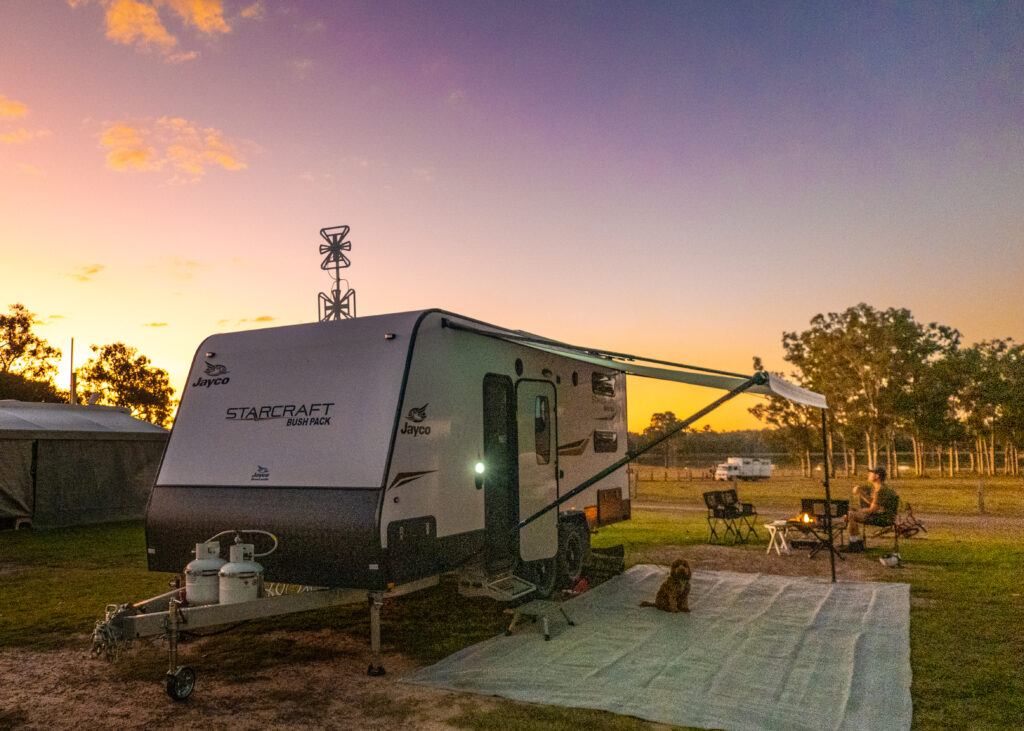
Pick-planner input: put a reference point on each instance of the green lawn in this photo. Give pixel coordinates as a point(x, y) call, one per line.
point(967, 611)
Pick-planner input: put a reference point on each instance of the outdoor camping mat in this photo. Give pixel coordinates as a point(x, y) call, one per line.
point(756, 652)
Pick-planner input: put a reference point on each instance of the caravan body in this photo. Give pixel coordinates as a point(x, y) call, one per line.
point(384, 449)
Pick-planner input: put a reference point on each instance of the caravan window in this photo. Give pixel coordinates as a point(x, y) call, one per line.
point(603, 385)
point(542, 429)
point(606, 441)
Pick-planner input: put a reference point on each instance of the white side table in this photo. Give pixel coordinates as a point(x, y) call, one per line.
point(777, 537)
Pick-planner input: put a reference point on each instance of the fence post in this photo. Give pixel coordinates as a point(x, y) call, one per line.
point(981, 496)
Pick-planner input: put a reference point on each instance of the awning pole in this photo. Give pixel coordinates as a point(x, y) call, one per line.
point(755, 380)
point(828, 494)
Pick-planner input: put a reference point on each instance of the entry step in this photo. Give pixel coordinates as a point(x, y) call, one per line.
point(504, 587)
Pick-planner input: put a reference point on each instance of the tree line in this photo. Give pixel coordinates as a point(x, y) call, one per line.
point(115, 375)
point(890, 379)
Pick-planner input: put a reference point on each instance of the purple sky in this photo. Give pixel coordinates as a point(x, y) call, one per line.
point(684, 180)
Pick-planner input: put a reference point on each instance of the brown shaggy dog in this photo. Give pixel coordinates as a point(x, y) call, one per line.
point(675, 590)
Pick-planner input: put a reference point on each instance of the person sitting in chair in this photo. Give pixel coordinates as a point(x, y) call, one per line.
point(878, 506)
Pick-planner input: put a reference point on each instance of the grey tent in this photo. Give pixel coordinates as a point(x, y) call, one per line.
point(66, 465)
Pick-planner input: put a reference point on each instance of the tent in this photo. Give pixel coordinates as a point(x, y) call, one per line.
point(63, 464)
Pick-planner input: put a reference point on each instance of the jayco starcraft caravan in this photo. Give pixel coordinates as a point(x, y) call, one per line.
point(375, 454)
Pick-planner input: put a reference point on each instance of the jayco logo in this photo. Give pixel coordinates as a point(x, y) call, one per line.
point(261, 473)
point(218, 376)
point(416, 416)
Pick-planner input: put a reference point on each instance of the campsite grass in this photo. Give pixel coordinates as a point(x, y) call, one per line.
point(967, 610)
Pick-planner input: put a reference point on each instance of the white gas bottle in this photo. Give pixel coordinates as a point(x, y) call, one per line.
point(202, 574)
point(241, 577)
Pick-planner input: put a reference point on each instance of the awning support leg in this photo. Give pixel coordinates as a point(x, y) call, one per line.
point(376, 668)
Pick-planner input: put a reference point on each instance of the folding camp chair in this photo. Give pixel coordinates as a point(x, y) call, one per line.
point(717, 517)
point(906, 524)
point(742, 515)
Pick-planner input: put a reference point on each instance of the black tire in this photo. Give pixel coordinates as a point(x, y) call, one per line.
point(180, 684)
point(573, 550)
point(542, 574)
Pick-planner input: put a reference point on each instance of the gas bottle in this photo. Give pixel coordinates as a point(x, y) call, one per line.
point(241, 577)
point(201, 575)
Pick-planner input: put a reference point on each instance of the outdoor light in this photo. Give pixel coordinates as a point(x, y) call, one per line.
point(479, 468)
point(478, 478)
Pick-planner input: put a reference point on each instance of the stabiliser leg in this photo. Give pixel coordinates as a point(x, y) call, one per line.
point(180, 680)
point(376, 668)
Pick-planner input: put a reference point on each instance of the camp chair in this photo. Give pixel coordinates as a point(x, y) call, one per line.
point(742, 515)
point(906, 524)
point(717, 517)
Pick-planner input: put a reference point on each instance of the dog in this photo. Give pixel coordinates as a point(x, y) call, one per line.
point(674, 593)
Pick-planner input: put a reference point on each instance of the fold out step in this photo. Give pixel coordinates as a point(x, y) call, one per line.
point(504, 587)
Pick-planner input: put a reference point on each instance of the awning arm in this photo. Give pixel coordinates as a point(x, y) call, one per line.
point(525, 337)
point(755, 380)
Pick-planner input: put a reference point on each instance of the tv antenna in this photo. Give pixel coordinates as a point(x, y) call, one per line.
point(334, 305)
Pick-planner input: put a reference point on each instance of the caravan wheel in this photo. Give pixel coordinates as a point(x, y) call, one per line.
point(542, 574)
point(573, 547)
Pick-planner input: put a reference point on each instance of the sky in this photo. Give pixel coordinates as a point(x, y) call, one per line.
point(681, 180)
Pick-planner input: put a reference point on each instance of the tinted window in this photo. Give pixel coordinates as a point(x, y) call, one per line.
point(542, 429)
point(602, 384)
point(606, 441)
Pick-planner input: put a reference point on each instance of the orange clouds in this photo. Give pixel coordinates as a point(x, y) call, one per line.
point(87, 273)
point(170, 143)
point(11, 108)
point(133, 22)
point(139, 23)
point(21, 135)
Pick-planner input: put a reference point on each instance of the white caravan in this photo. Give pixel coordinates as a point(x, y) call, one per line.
point(386, 449)
point(744, 468)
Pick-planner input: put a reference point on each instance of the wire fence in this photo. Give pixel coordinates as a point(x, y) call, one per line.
point(701, 466)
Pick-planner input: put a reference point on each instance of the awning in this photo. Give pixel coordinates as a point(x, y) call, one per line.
point(634, 365)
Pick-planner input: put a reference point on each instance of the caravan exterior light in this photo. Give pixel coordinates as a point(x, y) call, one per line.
point(479, 468)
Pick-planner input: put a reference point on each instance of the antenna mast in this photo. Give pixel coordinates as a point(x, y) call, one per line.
point(334, 305)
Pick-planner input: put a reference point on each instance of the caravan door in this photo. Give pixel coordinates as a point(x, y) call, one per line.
point(538, 467)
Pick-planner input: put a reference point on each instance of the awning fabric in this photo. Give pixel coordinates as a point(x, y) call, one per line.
point(776, 385)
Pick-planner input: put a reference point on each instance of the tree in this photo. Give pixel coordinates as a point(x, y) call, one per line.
point(126, 378)
point(22, 352)
point(19, 388)
point(661, 423)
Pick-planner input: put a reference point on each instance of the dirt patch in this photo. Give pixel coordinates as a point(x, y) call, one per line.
point(71, 689)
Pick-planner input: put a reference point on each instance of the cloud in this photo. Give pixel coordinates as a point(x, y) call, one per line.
point(183, 268)
point(86, 273)
point(139, 23)
point(301, 67)
point(21, 135)
point(131, 22)
point(154, 324)
point(455, 96)
point(33, 171)
point(256, 11)
point(11, 108)
point(261, 318)
point(182, 57)
point(170, 143)
point(206, 15)
point(128, 149)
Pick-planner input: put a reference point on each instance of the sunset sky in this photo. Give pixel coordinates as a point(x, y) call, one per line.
point(681, 180)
